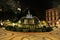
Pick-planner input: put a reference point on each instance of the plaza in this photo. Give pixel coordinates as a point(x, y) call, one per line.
point(10, 35)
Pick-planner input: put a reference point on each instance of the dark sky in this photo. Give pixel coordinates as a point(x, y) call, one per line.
point(37, 7)
point(39, 4)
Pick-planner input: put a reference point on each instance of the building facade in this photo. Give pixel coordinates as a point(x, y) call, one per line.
point(52, 16)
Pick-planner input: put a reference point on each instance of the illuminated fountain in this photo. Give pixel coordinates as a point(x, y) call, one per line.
point(28, 23)
point(29, 15)
point(29, 20)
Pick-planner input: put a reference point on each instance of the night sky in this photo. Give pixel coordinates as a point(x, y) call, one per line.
point(36, 7)
point(39, 7)
point(37, 4)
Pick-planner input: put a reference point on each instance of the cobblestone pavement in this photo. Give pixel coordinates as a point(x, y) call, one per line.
point(9, 35)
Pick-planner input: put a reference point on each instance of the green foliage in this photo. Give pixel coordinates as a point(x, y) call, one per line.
point(48, 29)
point(23, 29)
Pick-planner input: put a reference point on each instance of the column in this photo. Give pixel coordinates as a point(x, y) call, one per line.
point(46, 15)
point(53, 17)
point(49, 17)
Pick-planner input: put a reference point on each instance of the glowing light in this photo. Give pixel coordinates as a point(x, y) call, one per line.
point(39, 21)
point(1, 23)
point(57, 22)
point(7, 20)
point(13, 24)
point(19, 21)
point(43, 21)
point(19, 9)
point(0, 9)
point(59, 19)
